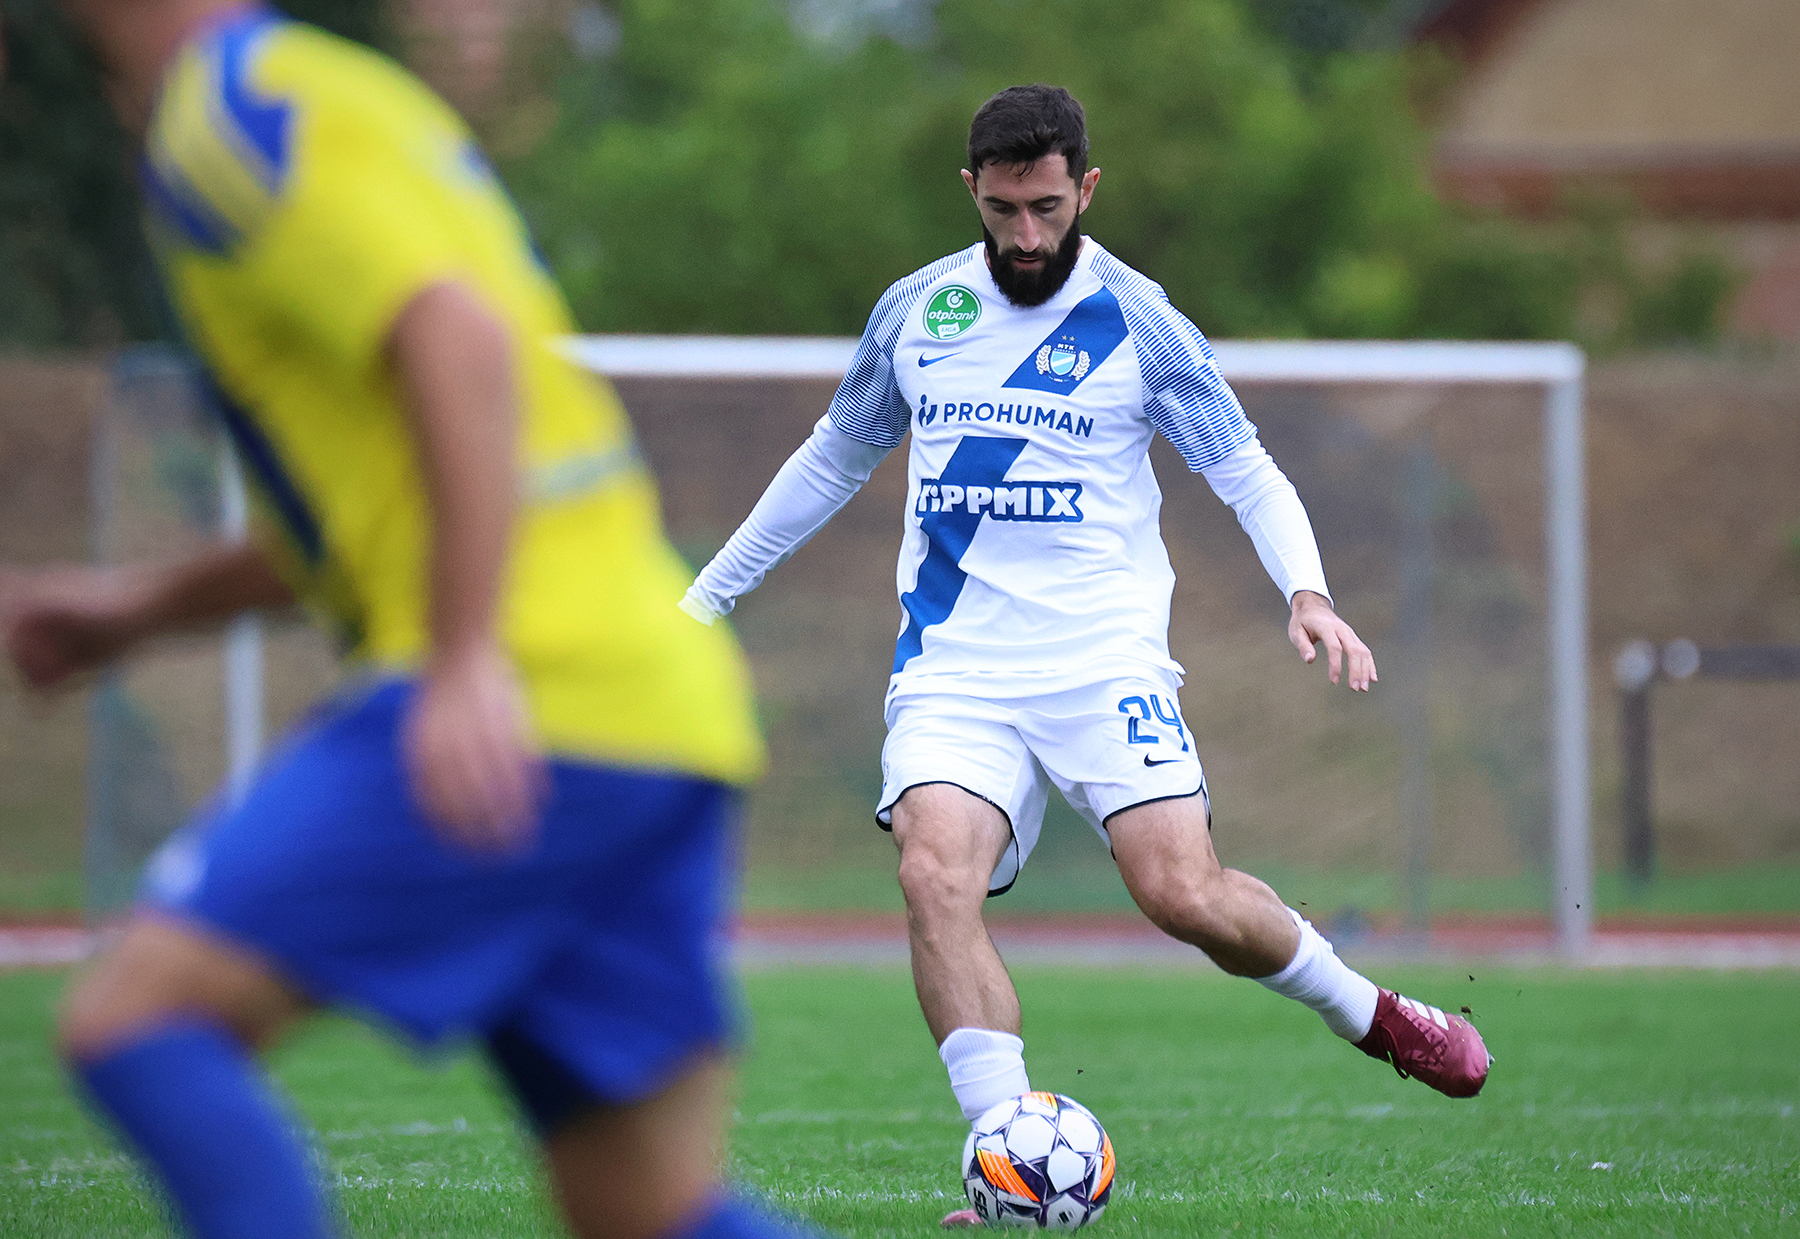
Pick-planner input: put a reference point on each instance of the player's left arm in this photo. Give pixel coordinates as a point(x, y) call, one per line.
point(1249, 481)
point(1189, 401)
point(63, 620)
point(469, 742)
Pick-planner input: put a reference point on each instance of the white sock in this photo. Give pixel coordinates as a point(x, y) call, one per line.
point(986, 1067)
point(1317, 978)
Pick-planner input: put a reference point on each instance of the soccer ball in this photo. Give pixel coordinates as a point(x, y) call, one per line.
point(1038, 1159)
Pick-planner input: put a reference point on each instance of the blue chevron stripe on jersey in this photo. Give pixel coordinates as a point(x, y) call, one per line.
point(176, 209)
point(259, 129)
point(1084, 339)
point(979, 460)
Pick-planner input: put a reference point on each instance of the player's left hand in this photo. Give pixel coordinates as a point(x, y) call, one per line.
point(1313, 623)
point(475, 764)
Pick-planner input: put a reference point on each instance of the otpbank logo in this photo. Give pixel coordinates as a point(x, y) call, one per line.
point(951, 311)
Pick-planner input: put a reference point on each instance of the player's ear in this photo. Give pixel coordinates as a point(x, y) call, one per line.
point(969, 180)
point(1089, 179)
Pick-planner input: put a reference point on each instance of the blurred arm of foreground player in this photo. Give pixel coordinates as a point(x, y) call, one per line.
point(63, 620)
point(469, 744)
point(470, 747)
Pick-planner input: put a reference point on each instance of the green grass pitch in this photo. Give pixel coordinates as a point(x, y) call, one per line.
point(1621, 1104)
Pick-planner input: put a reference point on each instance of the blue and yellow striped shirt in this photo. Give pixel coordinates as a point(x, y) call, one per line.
point(301, 190)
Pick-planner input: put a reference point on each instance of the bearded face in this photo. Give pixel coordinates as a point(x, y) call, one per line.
point(1031, 278)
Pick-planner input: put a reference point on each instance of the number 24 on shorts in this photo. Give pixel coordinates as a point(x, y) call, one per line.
point(1137, 710)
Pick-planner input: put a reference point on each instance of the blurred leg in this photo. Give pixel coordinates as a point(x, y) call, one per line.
point(163, 968)
point(160, 1031)
point(644, 1170)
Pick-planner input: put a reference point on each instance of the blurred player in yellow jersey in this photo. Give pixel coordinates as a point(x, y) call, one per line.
point(515, 824)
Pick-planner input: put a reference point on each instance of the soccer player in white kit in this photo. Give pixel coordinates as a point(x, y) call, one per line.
point(1032, 371)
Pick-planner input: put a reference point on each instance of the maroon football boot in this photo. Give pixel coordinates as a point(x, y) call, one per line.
point(1423, 1042)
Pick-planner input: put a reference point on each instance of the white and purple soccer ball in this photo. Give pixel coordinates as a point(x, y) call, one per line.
point(1038, 1159)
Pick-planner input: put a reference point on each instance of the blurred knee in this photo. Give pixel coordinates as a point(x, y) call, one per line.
point(668, 1147)
point(87, 1023)
point(157, 974)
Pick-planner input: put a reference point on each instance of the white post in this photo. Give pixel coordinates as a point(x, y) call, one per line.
point(243, 644)
point(1572, 875)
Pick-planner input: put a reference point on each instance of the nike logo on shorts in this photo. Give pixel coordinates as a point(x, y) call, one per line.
point(932, 361)
point(1165, 761)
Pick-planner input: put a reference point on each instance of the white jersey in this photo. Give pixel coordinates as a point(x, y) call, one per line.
point(1032, 558)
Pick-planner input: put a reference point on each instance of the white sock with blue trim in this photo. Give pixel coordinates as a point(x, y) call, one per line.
point(986, 1067)
point(1317, 978)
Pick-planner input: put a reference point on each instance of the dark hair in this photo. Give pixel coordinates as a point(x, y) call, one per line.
point(1022, 124)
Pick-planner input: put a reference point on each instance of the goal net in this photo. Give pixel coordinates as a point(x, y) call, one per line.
point(185, 721)
point(1445, 484)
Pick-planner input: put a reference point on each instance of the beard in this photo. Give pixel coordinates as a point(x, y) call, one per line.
point(1026, 288)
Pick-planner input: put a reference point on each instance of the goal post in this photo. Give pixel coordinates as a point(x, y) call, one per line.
point(1558, 368)
point(163, 479)
point(161, 473)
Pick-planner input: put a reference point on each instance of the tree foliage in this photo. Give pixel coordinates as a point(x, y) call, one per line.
point(725, 166)
point(72, 264)
point(722, 172)
point(74, 270)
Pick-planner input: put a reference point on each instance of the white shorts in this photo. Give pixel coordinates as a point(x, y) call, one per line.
point(1106, 747)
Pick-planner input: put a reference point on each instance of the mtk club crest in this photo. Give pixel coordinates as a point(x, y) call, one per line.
point(1063, 360)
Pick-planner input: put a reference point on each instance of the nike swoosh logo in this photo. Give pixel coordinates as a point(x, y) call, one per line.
point(1165, 761)
point(932, 361)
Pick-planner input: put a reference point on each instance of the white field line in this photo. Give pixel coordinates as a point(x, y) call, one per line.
point(753, 950)
point(1023, 947)
point(1122, 1117)
point(43, 948)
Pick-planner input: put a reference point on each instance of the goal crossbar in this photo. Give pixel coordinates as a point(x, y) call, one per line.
point(1557, 367)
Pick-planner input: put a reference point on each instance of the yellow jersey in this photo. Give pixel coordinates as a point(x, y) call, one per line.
point(300, 191)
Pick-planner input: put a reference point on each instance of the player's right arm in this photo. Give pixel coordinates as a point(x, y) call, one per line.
point(469, 741)
point(820, 478)
point(68, 619)
point(867, 420)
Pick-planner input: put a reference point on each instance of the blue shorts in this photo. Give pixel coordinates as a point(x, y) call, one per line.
point(601, 946)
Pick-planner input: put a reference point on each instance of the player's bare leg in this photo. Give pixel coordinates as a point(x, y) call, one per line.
point(1165, 854)
point(949, 843)
point(669, 1149)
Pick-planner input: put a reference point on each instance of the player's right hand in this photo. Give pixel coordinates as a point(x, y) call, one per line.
point(474, 761)
point(59, 622)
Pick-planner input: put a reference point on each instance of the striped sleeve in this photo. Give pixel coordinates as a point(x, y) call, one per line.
point(868, 406)
point(1185, 396)
point(219, 152)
